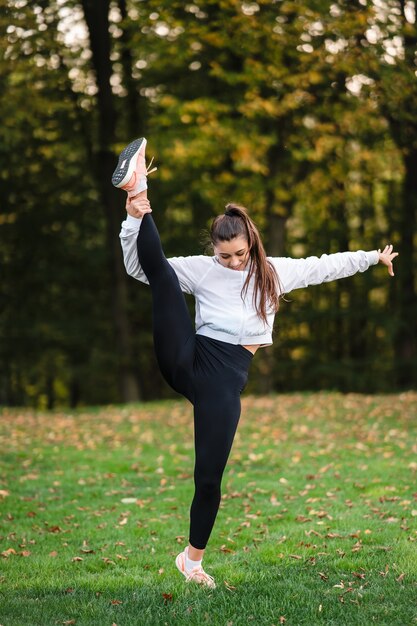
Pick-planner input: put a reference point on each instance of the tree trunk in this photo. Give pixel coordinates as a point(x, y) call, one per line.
point(400, 110)
point(135, 121)
point(96, 16)
point(359, 329)
point(275, 244)
point(405, 341)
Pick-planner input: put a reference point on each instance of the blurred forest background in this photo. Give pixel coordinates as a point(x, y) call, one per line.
point(305, 112)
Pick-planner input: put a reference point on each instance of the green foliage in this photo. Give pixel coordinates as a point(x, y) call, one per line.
point(303, 112)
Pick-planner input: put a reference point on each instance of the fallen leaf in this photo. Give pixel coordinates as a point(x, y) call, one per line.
point(341, 585)
point(8, 552)
point(167, 597)
point(116, 602)
point(54, 529)
point(224, 549)
point(228, 586)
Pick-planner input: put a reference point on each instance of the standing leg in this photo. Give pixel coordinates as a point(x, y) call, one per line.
point(216, 417)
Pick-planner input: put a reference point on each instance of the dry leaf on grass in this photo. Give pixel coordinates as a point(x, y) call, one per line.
point(167, 597)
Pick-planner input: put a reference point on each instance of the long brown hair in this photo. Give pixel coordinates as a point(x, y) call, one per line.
point(234, 223)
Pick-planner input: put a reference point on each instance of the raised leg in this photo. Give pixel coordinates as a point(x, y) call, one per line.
point(173, 329)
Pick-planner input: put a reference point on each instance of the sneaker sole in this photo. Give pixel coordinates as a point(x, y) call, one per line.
point(127, 163)
point(178, 567)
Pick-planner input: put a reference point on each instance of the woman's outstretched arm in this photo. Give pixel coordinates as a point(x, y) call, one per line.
point(298, 273)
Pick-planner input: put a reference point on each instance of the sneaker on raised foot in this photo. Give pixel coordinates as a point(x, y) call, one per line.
point(131, 171)
point(197, 574)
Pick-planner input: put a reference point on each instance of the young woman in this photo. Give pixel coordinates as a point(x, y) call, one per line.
point(237, 294)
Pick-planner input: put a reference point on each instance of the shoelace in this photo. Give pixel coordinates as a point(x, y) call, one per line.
point(200, 574)
point(149, 170)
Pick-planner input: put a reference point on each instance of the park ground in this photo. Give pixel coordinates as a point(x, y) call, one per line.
point(317, 524)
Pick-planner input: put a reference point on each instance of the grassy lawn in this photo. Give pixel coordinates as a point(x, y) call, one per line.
point(318, 521)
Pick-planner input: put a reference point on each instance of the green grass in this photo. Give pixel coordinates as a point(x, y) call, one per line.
point(317, 525)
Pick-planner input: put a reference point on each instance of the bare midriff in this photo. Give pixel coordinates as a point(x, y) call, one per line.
point(252, 349)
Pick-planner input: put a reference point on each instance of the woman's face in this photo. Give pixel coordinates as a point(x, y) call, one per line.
point(233, 254)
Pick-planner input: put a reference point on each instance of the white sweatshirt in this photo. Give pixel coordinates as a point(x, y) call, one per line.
point(220, 311)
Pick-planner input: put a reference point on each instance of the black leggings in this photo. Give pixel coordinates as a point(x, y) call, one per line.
point(210, 373)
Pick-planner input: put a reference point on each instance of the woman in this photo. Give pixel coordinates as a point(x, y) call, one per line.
point(237, 292)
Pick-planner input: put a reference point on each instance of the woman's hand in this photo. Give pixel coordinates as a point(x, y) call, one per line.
point(386, 257)
point(138, 206)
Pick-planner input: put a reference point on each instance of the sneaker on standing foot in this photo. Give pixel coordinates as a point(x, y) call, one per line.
point(197, 574)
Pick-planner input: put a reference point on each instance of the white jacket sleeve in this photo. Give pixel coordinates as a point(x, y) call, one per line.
point(297, 273)
point(187, 269)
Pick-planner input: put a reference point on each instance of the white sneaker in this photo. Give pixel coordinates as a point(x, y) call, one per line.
point(197, 574)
